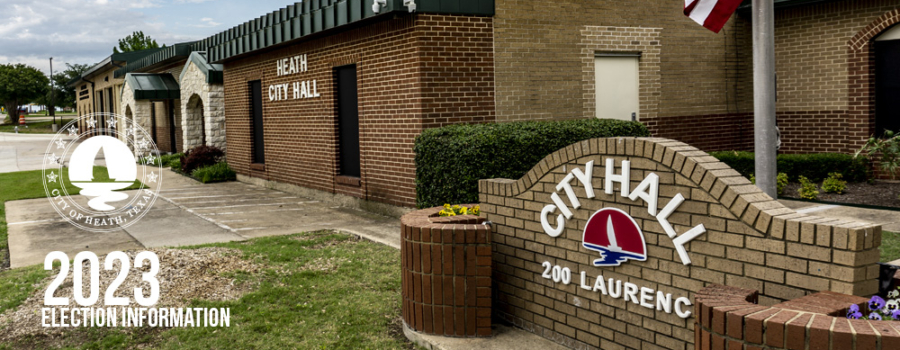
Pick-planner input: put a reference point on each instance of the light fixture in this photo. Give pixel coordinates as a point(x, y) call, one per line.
point(377, 5)
point(410, 4)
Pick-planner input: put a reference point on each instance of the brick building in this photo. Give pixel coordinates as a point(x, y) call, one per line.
point(327, 97)
point(172, 92)
point(99, 89)
point(689, 84)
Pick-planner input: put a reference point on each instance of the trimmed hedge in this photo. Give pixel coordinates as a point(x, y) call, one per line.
point(814, 166)
point(215, 173)
point(450, 160)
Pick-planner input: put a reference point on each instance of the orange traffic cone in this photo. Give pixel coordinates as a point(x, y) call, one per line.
point(21, 120)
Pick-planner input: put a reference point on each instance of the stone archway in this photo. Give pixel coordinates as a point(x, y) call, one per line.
point(194, 123)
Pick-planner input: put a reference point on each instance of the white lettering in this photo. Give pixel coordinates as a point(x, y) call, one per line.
point(303, 63)
point(601, 285)
point(566, 185)
point(624, 178)
point(663, 216)
point(562, 207)
point(631, 292)
point(664, 302)
point(585, 178)
point(678, 311)
point(583, 281)
point(648, 190)
point(545, 223)
point(315, 92)
point(646, 297)
point(686, 237)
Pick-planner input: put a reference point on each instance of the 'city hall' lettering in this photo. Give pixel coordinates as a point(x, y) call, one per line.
point(296, 90)
point(648, 190)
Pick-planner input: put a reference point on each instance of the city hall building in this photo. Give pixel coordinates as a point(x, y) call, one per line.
point(326, 97)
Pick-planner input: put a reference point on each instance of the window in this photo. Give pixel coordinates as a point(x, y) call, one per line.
point(259, 148)
point(348, 121)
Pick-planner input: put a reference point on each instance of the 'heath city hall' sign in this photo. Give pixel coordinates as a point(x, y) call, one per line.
point(604, 243)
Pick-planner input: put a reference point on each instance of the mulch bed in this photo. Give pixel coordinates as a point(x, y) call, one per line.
point(881, 193)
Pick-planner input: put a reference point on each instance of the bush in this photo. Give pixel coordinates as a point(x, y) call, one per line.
point(450, 160)
point(199, 157)
point(781, 181)
point(834, 184)
point(888, 147)
point(217, 172)
point(814, 166)
point(807, 189)
point(167, 160)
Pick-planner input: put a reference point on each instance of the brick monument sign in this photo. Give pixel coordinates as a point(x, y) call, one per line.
point(604, 244)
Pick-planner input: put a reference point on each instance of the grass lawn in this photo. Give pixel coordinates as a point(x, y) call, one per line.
point(318, 290)
point(890, 246)
point(41, 127)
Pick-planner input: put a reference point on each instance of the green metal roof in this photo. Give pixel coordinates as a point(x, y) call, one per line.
point(164, 56)
point(147, 86)
point(114, 59)
point(213, 72)
point(302, 19)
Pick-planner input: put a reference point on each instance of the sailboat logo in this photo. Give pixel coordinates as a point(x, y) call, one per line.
point(120, 163)
point(617, 237)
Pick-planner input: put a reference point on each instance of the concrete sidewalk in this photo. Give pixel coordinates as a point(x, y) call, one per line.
point(187, 213)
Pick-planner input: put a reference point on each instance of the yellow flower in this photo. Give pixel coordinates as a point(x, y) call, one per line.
point(465, 211)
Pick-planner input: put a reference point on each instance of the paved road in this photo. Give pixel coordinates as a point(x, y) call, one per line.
point(19, 152)
point(186, 213)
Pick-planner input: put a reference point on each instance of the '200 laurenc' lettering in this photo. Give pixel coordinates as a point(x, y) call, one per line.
point(648, 190)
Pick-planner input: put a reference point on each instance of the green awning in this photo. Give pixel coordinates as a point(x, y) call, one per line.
point(149, 86)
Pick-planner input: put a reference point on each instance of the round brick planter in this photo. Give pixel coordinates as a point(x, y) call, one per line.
point(446, 273)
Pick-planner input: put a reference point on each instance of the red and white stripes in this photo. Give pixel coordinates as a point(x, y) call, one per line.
point(711, 14)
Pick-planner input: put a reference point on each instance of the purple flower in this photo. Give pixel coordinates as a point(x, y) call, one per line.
point(853, 308)
point(876, 303)
point(875, 316)
point(896, 315)
point(855, 315)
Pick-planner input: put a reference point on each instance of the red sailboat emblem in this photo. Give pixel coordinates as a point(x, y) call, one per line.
point(616, 236)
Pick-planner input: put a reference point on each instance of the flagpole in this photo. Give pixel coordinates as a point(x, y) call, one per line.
point(764, 95)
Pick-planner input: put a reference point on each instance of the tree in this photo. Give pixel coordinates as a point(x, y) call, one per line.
point(19, 84)
point(136, 42)
point(66, 96)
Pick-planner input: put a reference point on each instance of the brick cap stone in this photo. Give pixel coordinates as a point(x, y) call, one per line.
point(743, 199)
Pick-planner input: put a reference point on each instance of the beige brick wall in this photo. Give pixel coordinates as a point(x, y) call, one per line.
point(540, 51)
point(751, 241)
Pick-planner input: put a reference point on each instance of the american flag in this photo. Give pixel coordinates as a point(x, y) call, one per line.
point(711, 14)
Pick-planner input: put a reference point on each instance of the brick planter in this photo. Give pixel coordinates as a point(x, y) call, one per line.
point(446, 274)
point(728, 318)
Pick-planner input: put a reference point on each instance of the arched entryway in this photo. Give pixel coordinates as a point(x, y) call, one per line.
point(195, 121)
point(887, 81)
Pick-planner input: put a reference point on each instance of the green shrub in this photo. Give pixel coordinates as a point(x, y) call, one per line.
point(450, 160)
point(218, 172)
point(807, 189)
point(175, 164)
point(167, 160)
point(781, 181)
point(834, 184)
point(815, 166)
point(888, 147)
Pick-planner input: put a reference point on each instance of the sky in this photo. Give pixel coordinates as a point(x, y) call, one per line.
point(85, 31)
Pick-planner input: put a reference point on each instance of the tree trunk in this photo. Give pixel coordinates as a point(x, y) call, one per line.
point(12, 111)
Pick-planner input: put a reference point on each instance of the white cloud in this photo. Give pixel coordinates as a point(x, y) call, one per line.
point(74, 31)
point(207, 22)
point(192, 1)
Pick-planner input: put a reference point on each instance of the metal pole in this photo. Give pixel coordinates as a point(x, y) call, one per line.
point(52, 102)
point(764, 95)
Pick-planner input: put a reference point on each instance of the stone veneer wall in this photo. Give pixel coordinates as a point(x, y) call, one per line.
point(212, 96)
point(751, 241)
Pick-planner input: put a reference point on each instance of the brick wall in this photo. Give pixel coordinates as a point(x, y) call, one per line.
point(414, 71)
point(751, 241)
point(728, 318)
point(825, 72)
point(446, 273)
point(544, 54)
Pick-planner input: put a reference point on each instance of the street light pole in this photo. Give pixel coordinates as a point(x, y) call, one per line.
point(765, 137)
point(52, 102)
